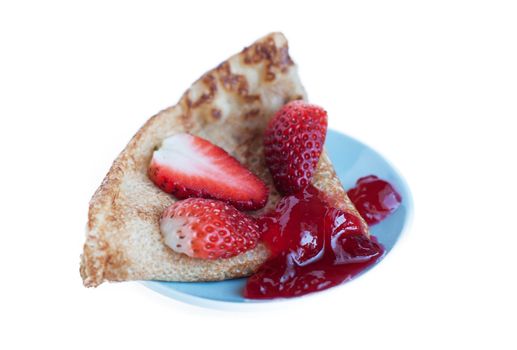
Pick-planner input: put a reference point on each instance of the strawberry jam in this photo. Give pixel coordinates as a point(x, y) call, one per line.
point(313, 247)
point(374, 198)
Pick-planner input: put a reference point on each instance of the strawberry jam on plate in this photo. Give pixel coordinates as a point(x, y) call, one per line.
point(374, 198)
point(352, 160)
point(313, 245)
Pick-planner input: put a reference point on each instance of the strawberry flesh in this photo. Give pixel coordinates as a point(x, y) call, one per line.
point(189, 166)
point(208, 229)
point(293, 143)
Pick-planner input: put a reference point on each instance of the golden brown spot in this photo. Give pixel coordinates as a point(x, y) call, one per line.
point(277, 58)
point(210, 82)
point(186, 120)
point(236, 83)
point(293, 98)
point(115, 220)
point(252, 113)
point(216, 113)
point(284, 60)
point(232, 82)
point(152, 216)
point(251, 98)
point(115, 264)
point(188, 101)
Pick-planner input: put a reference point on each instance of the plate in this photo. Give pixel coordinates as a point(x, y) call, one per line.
point(352, 160)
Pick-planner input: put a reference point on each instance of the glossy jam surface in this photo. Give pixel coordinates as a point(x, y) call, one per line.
point(374, 198)
point(313, 246)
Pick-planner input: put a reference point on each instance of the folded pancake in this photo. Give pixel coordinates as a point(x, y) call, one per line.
point(230, 106)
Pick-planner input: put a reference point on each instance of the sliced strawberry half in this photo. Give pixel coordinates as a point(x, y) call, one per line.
point(189, 166)
point(208, 229)
point(293, 142)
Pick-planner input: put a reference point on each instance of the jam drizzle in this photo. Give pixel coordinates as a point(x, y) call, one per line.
point(313, 247)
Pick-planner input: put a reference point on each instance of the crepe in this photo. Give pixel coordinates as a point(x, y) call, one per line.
point(230, 106)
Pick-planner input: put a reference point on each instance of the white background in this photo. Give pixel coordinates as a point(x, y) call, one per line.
point(432, 85)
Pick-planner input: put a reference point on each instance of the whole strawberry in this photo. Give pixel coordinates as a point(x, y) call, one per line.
point(293, 142)
point(208, 229)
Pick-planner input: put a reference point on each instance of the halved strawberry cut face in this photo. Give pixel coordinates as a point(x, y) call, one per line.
point(189, 166)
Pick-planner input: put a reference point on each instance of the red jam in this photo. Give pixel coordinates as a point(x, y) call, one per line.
point(313, 246)
point(374, 198)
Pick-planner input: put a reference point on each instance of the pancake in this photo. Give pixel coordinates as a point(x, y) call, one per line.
point(230, 106)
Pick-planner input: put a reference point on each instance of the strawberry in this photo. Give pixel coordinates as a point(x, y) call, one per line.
point(189, 166)
point(208, 229)
point(293, 142)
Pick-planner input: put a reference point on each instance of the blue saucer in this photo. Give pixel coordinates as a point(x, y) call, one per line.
point(352, 160)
